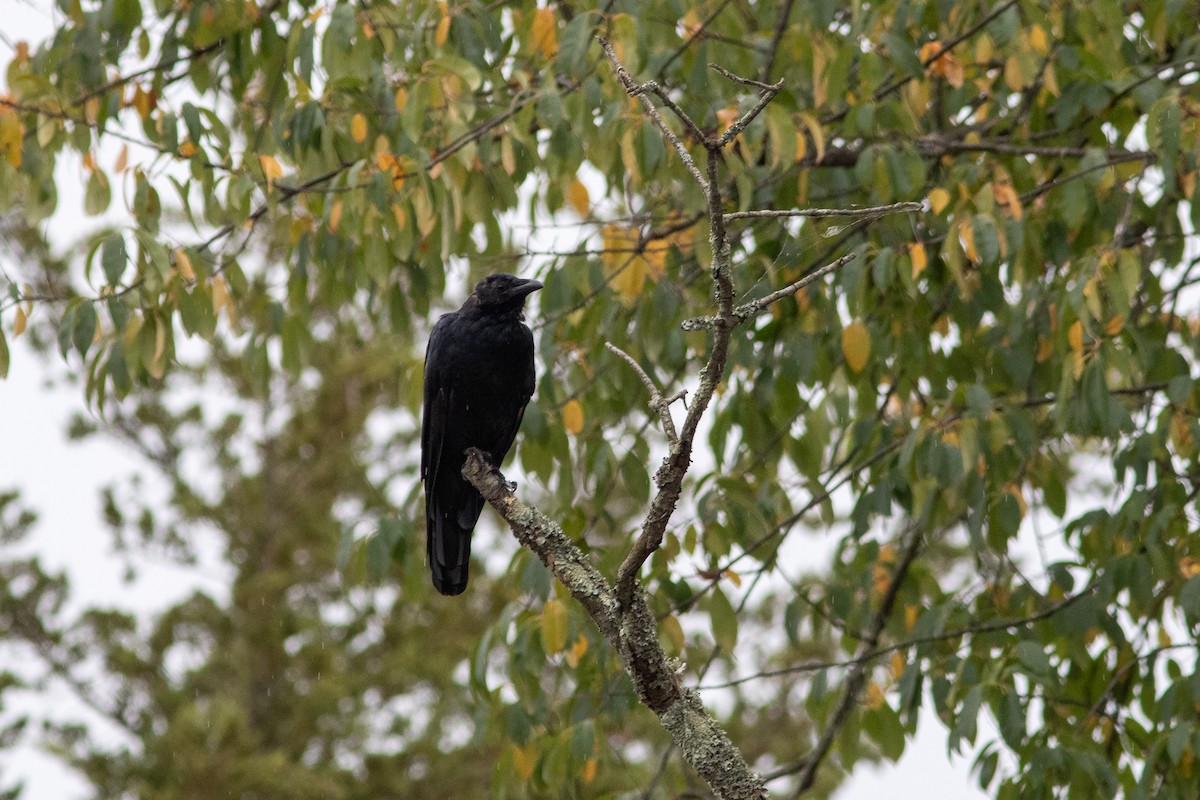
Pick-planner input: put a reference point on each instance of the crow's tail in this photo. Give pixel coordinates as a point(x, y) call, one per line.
point(449, 541)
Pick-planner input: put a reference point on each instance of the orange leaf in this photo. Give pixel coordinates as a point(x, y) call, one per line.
point(1075, 336)
point(525, 759)
point(577, 196)
point(545, 32)
point(944, 65)
point(576, 651)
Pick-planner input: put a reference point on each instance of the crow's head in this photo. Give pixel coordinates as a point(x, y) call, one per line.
point(503, 291)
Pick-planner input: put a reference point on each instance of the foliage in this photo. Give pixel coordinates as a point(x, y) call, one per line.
point(306, 182)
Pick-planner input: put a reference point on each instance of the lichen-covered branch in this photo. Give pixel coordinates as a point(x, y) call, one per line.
point(633, 632)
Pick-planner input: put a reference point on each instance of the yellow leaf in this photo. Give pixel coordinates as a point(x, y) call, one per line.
point(910, 617)
point(525, 759)
point(589, 770)
point(577, 196)
point(734, 577)
point(91, 110)
point(856, 345)
point(1189, 567)
point(966, 235)
point(545, 32)
point(183, 265)
point(554, 626)
point(1013, 74)
point(919, 259)
point(401, 99)
point(335, 216)
point(1075, 336)
point(1015, 491)
point(1114, 326)
point(1037, 39)
point(19, 322)
point(629, 157)
point(12, 134)
point(673, 631)
point(270, 168)
point(801, 145)
point(576, 651)
point(401, 216)
point(572, 417)
point(814, 130)
point(655, 257)
point(897, 665)
point(625, 270)
point(938, 199)
point(508, 159)
point(875, 697)
point(122, 159)
point(220, 298)
point(443, 26)
point(358, 128)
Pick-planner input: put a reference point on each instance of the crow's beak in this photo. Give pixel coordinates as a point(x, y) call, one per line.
point(524, 288)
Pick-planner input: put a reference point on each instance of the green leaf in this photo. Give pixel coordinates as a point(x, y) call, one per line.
point(83, 328)
point(1033, 656)
point(724, 620)
point(113, 258)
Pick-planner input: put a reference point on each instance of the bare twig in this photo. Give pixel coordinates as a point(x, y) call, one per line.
point(754, 307)
point(857, 677)
point(958, 633)
point(639, 90)
point(657, 402)
point(867, 211)
point(767, 93)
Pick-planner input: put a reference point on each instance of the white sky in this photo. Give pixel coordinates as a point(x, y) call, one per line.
point(61, 480)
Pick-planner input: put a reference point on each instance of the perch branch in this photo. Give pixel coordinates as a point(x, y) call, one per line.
point(632, 631)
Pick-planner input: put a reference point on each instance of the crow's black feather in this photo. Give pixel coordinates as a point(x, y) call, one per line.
point(479, 377)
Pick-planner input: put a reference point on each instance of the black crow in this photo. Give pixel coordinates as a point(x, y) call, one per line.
point(478, 378)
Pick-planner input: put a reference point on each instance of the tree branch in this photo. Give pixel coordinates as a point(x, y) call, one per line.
point(634, 89)
point(657, 402)
point(857, 678)
point(632, 631)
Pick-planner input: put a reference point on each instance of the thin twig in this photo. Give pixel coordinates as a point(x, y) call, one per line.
point(867, 211)
point(754, 307)
point(657, 401)
point(857, 678)
point(634, 89)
